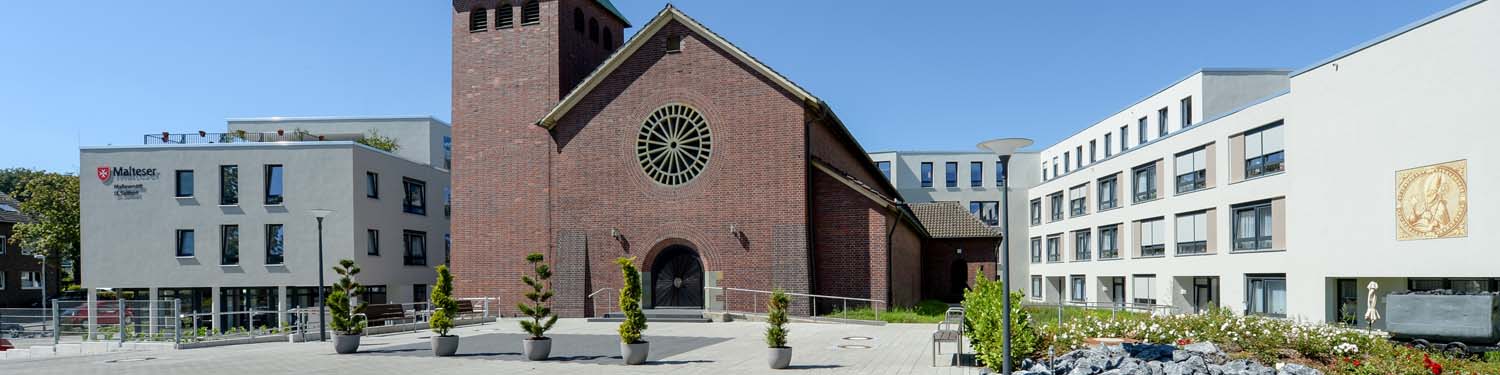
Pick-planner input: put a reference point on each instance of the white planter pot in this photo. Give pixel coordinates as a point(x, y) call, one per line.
point(444, 346)
point(780, 358)
point(536, 349)
point(635, 354)
point(345, 344)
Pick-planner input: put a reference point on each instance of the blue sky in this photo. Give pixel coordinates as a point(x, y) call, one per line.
point(907, 75)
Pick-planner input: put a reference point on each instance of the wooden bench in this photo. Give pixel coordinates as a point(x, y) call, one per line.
point(379, 315)
point(465, 308)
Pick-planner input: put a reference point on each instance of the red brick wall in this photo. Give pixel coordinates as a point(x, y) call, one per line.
point(906, 265)
point(755, 179)
point(849, 238)
point(938, 256)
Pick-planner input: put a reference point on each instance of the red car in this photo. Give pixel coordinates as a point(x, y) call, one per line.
point(109, 314)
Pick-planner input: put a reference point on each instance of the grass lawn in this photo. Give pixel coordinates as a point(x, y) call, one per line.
point(929, 311)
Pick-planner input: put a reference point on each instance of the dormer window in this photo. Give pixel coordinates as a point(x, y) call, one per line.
point(531, 13)
point(674, 43)
point(479, 20)
point(504, 17)
point(594, 30)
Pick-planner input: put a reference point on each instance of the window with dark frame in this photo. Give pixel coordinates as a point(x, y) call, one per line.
point(447, 152)
point(275, 193)
point(275, 244)
point(950, 178)
point(1078, 290)
point(229, 245)
point(531, 13)
point(1267, 295)
point(1053, 252)
point(1108, 192)
point(229, 185)
point(419, 293)
point(976, 174)
point(1036, 287)
point(1067, 161)
point(1109, 242)
point(1192, 233)
point(415, 244)
point(1153, 237)
point(479, 20)
point(1056, 200)
point(1036, 249)
point(1093, 151)
point(1251, 226)
point(1145, 288)
point(372, 242)
point(184, 242)
point(674, 43)
point(1036, 211)
point(885, 169)
point(1140, 130)
point(1264, 151)
point(1144, 188)
point(1078, 200)
point(415, 200)
point(372, 185)
point(1192, 170)
point(986, 211)
point(1078, 157)
point(1161, 122)
point(1124, 137)
point(184, 183)
point(1000, 174)
point(1081, 249)
point(926, 174)
point(1186, 107)
point(1109, 145)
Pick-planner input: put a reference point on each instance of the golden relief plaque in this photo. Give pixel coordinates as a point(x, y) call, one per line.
point(1433, 201)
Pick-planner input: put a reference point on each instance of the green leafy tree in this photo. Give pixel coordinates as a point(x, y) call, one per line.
point(776, 320)
point(630, 302)
point(983, 317)
point(51, 201)
point(12, 180)
point(346, 317)
point(379, 142)
point(445, 307)
point(540, 314)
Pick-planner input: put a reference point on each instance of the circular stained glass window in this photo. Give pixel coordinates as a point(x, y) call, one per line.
point(674, 145)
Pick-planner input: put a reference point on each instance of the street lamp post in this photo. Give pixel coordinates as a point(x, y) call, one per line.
point(1005, 147)
point(322, 305)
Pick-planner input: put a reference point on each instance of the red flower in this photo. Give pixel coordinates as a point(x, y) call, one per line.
point(1184, 342)
point(1437, 369)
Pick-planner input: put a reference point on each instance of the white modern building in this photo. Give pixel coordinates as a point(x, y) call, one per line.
point(228, 222)
point(1285, 193)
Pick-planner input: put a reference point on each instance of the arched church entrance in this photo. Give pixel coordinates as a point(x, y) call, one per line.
point(677, 278)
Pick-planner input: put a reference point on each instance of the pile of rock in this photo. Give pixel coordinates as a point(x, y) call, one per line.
point(1147, 359)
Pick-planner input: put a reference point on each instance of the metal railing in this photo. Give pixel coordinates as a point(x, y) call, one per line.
point(235, 137)
point(722, 301)
point(594, 302)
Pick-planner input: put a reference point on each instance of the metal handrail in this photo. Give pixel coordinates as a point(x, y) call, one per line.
point(594, 303)
point(845, 300)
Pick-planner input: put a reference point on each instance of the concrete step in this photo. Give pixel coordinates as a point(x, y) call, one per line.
point(659, 315)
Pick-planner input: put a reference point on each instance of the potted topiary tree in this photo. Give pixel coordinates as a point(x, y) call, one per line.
point(632, 348)
point(538, 346)
point(444, 309)
point(348, 320)
point(781, 355)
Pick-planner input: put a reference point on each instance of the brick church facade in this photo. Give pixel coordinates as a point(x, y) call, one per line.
point(675, 148)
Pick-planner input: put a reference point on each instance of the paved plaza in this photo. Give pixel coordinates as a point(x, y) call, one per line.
point(579, 347)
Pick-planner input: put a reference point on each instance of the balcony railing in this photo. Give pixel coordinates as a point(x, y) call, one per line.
point(1153, 250)
point(235, 137)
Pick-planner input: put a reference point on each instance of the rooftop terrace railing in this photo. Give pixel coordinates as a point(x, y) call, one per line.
point(165, 138)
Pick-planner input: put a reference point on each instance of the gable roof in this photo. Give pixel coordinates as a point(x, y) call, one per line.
point(949, 220)
point(10, 210)
point(662, 19)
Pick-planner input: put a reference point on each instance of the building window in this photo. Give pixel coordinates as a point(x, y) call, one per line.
point(926, 174)
point(274, 192)
point(578, 20)
point(1144, 285)
point(31, 280)
point(416, 248)
point(1153, 237)
point(447, 152)
point(1078, 200)
point(1140, 129)
point(1093, 150)
point(1161, 122)
point(1000, 173)
point(415, 201)
point(1036, 249)
point(1192, 170)
point(479, 20)
point(951, 177)
point(609, 39)
point(275, 244)
point(674, 43)
point(229, 245)
point(447, 202)
point(1109, 148)
point(184, 242)
point(1109, 242)
point(987, 211)
point(372, 185)
point(1036, 211)
point(531, 13)
point(1264, 153)
point(1081, 249)
point(1145, 182)
point(1054, 167)
point(229, 185)
point(1186, 108)
point(1252, 226)
point(2, 246)
point(1192, 233)
point(1036, 287)
point(885, 169)
point(1053, 255)
point(419, 293)
point(504, 17)
point(374, 295)
point(594, 30)
point(184, 183)
point(372, 242)
point(1124, 137)
point(1267, 295)
point(1056, 200)
point(1108, 191)
point(447, 247)
point(1078, 157)
point(1067, 161)
point(1044, 172)
point(976, 174)
point(1077, 291)
point(2, 280)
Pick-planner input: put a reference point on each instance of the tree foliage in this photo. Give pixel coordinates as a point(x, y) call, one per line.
point(374, 139)
point(630, 302)
point(12, 180)
point(983, 319)
point(51, 201)
point(346, 317)
point(445, 307)
point(539, 312)
point(776, 319)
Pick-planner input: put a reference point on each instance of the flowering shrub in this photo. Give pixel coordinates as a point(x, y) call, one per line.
point(1259, 336)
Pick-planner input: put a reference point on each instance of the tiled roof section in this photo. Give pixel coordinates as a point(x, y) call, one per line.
point(10, 210)
point(949, 220)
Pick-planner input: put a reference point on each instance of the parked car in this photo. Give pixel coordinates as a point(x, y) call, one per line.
point(6, 345)
point(108, 314)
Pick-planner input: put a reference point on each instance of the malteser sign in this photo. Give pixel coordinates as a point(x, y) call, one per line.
point(112, 175)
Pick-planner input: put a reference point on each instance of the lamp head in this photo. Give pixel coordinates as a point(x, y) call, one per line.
point(320, 213)
point(1004, 146)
